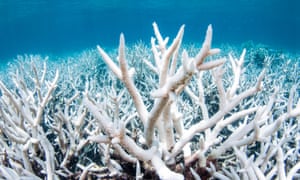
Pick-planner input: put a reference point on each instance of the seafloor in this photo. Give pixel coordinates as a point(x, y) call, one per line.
point(282, 70)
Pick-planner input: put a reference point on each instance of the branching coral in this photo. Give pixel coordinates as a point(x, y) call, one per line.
point(197, 118)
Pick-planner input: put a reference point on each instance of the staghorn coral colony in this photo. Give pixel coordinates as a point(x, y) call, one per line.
point(165, 112)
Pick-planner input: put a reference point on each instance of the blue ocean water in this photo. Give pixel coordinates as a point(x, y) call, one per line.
point(59, 27)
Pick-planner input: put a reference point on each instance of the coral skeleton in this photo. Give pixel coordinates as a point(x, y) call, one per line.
point(169, 114)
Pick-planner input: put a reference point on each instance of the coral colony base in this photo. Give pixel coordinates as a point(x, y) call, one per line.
point(170, 114)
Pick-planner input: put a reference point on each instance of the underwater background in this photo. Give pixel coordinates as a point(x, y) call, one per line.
point(56, 27)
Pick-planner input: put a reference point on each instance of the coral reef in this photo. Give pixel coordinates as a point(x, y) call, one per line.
point(168, 113)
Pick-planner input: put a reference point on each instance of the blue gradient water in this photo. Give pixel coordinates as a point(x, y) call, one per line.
point(60, 27)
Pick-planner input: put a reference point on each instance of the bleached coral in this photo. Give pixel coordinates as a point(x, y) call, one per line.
point(167, 112)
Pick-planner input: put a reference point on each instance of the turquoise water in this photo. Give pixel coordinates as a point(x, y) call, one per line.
point(61, 27)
